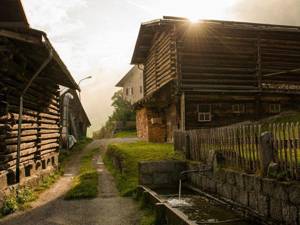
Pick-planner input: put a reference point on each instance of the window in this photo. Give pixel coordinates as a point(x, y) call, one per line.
point(131, 91)
point(127, 91)
point(274, 108)
point(204, 117)
point(238, 108)
point(204, 113)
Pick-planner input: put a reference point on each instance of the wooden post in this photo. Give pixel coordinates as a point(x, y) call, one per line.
point(187, 146)
point(182, 111)
point(267, 153)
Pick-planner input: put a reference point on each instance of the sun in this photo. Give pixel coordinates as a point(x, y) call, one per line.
point(196, 10)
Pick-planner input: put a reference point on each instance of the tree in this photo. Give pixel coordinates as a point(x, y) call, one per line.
point(123, 111)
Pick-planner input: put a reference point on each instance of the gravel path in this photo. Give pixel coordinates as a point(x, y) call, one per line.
point(107, 209)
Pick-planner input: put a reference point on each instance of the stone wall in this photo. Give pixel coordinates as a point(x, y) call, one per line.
point(269, 199)
point(30, 175)
point(142, 123)
point(146, 129)
point(156, 174)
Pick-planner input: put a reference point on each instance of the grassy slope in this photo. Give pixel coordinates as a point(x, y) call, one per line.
point(126, 134)
point(130, 154)
point(85, 185)
point(284, 117)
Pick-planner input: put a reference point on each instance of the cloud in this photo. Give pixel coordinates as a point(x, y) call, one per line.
point(267, 11)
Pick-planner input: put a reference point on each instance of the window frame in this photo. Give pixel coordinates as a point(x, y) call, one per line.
point(206, 114)
point(274, 108)
point(238, 108)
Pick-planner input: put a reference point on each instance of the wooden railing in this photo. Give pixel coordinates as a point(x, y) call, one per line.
point(241, 147)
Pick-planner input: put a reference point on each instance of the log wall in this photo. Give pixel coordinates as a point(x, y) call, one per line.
point(40, 122)
point(160, 65)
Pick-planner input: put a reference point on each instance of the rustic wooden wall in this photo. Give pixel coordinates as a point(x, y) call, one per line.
point(160, 65)
point(41, 118)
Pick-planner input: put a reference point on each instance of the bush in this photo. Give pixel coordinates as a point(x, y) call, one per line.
point(25, 195)
point(10, 205)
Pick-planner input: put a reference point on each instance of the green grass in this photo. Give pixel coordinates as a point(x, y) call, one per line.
point(64, 156)
point(148, 218)
point(129, 154)
point(126, 134)
point(284, 117)
point(85, 185)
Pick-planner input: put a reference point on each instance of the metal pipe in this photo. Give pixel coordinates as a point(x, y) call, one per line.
point(38, 72)
point(195, 171)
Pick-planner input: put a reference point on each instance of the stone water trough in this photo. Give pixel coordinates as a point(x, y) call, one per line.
point(218, 196)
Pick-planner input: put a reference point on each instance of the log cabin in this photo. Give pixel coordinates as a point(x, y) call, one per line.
point(213, 73)
point(31, 70)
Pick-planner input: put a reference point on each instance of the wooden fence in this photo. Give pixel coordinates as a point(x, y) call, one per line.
point(240, 147)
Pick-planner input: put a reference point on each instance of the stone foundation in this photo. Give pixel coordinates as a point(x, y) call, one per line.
point(31, 174)
point(149, 127)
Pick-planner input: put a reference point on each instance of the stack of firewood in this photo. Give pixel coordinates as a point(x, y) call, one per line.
point(40, 123)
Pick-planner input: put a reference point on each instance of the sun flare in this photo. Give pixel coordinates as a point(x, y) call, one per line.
point(196, 10)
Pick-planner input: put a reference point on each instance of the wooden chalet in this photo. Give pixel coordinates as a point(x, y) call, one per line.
point(27, 56)
point(214, 73)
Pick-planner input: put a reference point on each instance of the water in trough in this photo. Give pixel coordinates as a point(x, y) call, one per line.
point(203, 210)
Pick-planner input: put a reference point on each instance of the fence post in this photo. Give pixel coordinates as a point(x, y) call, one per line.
point(267, 153)
point(187, 146)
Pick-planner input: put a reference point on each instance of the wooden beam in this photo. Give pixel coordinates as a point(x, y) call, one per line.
point(282, 72)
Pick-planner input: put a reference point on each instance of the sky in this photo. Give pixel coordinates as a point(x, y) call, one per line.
point(97, 37)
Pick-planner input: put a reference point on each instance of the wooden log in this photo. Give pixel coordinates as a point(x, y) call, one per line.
point(13, 148)
point(11, 141)
point(49, 136)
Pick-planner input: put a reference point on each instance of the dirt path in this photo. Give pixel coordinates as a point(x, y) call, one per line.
point(107, 209)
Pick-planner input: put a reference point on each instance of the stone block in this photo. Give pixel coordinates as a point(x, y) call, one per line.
point(3, 181)
point(241, 197)
point(211, 186)
point(240, 183)
point(199, 181)
point(227, 191)
point(250, 181)
point(221, 176)
point(280, 192)
point(230, 177)
point(145, 179)
point(263, 203)
point(160, 178)
point(268, 186)
point(294, 194)
point(289, 214)
point(257, 184)
point(276, 210)
point(253, 200)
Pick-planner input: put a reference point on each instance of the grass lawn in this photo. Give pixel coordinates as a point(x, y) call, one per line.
point(129, 154)
point(126, 134)
point(85, 185)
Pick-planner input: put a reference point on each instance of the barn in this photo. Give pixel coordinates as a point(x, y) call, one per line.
point(30, 74)
point(213, 73)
